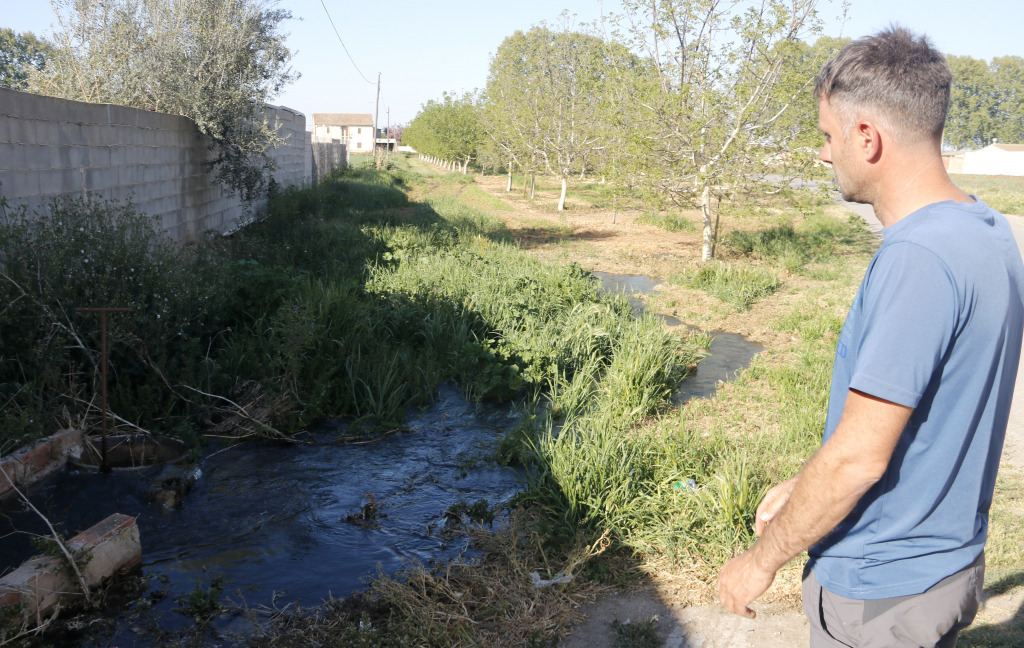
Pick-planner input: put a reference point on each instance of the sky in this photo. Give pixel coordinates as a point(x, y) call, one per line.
point(422, 48)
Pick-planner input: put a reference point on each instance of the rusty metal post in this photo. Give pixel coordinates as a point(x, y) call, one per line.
point(104, 466)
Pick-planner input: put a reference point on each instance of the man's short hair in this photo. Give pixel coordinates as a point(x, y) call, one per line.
point(896, 77)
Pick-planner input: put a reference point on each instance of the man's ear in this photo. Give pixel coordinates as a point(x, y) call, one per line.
point(868, 139)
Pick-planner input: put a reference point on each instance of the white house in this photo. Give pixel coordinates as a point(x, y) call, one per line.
point(995, 159)
point(353, 130)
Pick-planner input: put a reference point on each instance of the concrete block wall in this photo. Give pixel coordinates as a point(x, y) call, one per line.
point(51, 147)
point(328, 155)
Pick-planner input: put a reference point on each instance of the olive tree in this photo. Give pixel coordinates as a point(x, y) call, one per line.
point(217, 62)
point(710, 115)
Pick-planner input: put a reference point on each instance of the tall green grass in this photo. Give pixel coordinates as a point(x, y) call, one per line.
point(671, 221)
point(739, 285)
point(815, 240)
point(344, 300)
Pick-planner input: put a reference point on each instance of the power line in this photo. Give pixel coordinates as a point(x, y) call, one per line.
point(343, 44)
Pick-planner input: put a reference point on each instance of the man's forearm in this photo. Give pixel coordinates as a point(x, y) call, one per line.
point(834, 479)
point(824, 494)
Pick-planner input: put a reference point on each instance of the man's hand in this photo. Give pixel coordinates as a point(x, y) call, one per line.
point(772, 503)
point(741, 581)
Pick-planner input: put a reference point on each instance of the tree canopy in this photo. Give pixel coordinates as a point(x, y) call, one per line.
point(546, 100)
point(986, 101)
point(711, 116)
point(20, 54)
point(217, 62)
point(448, 129)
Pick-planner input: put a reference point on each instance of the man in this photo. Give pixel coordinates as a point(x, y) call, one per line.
point(893, 508)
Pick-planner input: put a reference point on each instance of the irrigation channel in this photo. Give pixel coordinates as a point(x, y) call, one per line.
point(273, 523)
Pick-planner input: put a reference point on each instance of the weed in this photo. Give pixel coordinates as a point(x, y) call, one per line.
point(669, 221)
point(641, 634)
point(479, 512)
point(738, 285)
point(816, 239)
point(202, 602)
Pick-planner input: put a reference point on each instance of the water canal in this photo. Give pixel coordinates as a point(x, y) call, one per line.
point(274, 522)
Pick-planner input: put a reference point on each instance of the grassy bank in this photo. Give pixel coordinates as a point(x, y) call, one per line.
point(347, 300)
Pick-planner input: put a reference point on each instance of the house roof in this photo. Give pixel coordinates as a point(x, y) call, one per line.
point(1016, 148)
point(342, 119)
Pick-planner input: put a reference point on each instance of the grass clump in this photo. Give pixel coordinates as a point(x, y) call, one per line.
point(494, 603)
point(815, 240)
point(669, 221)
point(640, 634)
point(738, 285)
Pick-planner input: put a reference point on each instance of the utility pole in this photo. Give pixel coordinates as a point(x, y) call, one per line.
point(376, 113)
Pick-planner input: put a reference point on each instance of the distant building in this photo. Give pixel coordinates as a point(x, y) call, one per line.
point(995, 159)
point(953, 161)
point(353, 130)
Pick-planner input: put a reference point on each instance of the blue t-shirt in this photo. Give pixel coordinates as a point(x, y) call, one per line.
point(936, 326)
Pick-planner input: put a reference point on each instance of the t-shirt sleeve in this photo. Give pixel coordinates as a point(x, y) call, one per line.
point(910, 314)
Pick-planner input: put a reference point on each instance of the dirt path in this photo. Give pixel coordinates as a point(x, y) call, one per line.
point(626, 246)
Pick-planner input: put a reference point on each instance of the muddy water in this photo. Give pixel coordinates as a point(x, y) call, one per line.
point(271, 519)
point(729, 353)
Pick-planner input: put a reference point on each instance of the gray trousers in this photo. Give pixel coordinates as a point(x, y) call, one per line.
point(931, 619)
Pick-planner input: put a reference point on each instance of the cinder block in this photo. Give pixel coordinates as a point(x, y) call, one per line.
point(23, 131)
point(70, 157)
point(19, 104)
point(33, 462)
point(51, 182)
point(8, 98)
point(100, 156)
point(72, 181)
point(99, 134)
point(47, 132)
point(22, 184)
point(70, 133)
point(5, 128)
point(101, 179)
point(47, 108)
point(112, 545)
point(12, 156)
point(122, 116)
point(40, 157)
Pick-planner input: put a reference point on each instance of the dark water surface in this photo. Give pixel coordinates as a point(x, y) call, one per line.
point(270, 519)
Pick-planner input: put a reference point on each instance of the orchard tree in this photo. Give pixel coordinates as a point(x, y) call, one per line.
point(449, 129)
point(1008, 84)
point(217, 62)
point(546, 101)
point(20, 54)
point(712, 114)
point(986, 101)
point(970, 121)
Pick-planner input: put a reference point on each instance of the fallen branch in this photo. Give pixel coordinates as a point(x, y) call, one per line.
point(242, 412)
